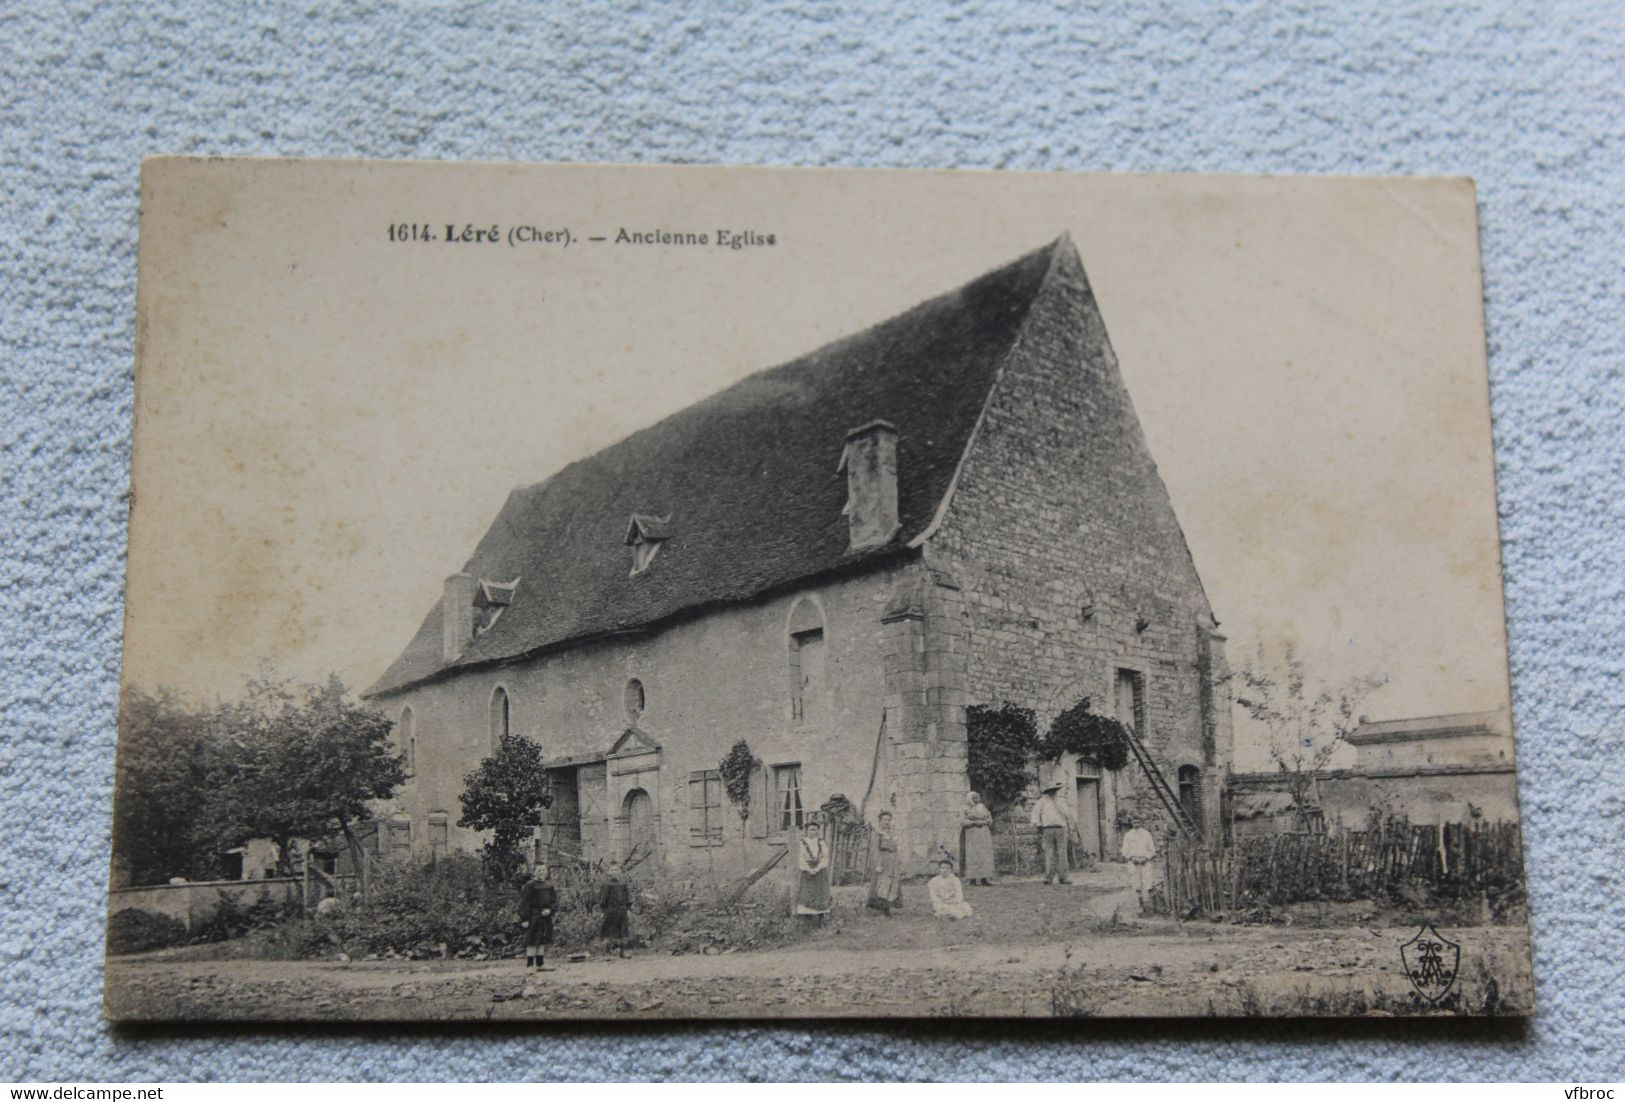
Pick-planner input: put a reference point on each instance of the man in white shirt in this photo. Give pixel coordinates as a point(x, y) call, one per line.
point(1054, 823)
point(1140, 850)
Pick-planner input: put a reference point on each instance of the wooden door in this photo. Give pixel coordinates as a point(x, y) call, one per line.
point(1089, 815)
point(639, 811)
point(438, 840)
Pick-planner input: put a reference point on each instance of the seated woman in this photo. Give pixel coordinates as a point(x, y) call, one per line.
point(947, 895)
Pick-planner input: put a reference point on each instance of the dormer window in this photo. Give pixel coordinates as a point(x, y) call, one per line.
point(644, 535)
point(491, 600)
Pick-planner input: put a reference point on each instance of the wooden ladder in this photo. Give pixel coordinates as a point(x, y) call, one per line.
point(1159, 784)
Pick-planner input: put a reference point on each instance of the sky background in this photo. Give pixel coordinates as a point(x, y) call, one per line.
point(328, 421)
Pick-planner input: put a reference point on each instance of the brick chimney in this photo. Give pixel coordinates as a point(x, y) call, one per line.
point(870, 463)
point(457, 616)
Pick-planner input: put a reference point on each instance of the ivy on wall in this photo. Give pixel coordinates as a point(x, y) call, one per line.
point(736, 767)
point(1092, 737)
point(1001, 744)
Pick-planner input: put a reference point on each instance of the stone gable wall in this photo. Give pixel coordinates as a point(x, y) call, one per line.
point(1070, 561)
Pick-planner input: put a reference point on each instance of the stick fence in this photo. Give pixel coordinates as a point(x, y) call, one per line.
point(1342, 865)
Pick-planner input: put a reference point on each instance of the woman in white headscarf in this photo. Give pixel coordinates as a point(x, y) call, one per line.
point(976, 849)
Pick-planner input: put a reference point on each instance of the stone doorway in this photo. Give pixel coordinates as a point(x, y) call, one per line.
point(639, 812)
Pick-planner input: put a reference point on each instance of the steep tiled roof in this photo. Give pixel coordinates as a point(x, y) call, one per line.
point(748, 478)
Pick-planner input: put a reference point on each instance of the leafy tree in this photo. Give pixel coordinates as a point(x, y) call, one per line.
point(1095, 738)
point(1001, 742)
point(506, 795)
point(162, 747)
point(1306, 720)
point(296, 763)
point(280, 763)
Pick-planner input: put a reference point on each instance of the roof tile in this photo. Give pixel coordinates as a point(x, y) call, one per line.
point(750, 477)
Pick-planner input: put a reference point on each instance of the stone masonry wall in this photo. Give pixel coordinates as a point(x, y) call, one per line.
point(923, 780)
point(707, 682)
point(1070, 561)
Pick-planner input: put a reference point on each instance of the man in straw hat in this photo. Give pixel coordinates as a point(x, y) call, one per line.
point(1054, 823)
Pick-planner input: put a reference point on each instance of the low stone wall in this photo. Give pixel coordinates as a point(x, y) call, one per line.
point(195, 903)
point(1423, 795)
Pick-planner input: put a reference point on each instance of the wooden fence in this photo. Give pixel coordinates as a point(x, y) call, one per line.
point(1342, 864)
point(851, 852)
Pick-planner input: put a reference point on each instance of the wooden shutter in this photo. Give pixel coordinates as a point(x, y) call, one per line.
point(759, 810)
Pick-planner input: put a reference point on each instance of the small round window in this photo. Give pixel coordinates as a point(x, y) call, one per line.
point(634, 698)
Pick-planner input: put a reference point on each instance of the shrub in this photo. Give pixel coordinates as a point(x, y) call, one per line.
point(415, 909)
point(507, 795)
point(232, 919)
point(455, 908)
point(759, 920)
point(134, 931)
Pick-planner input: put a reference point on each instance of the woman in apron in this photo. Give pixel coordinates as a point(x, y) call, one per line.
point(886, 884)
point(812, 881)
point(976, 832)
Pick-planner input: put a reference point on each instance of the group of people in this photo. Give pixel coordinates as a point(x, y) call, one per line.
point(1052, 817)
point(813, 897)
point(539, 903)
point(539, 898)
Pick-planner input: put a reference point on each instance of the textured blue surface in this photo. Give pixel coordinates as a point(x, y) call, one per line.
point(1525, 99)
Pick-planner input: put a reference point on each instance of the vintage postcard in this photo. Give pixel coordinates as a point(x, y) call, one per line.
point(586, 592)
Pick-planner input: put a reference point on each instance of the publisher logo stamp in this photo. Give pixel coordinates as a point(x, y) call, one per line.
point(1431, 961)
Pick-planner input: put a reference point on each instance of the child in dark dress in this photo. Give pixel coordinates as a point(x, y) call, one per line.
point(615, 900)
point(538, 899)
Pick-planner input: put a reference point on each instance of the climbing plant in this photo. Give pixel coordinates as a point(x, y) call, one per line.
point(1001, 744)
point(736, 767)
point(1095, 738)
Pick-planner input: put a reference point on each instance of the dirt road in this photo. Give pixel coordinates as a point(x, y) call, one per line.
point(1138, 970)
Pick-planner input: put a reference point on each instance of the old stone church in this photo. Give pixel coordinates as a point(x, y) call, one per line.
point(831, 560)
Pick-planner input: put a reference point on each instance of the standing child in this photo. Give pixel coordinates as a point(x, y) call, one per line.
point(538, 899)
point(616, 902)
point(1140, 849)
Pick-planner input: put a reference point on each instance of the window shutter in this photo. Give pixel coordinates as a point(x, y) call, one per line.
point(713, 808)
point(759, 811)
point(696, 809)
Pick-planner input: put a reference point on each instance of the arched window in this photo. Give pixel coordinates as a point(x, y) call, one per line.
point(406, 740)
point(499, 718)
point(635, 699)
point(1190, 792)
point(807, 685)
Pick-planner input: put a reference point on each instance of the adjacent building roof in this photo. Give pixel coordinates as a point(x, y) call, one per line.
point(748, 479)
point(1454, 725)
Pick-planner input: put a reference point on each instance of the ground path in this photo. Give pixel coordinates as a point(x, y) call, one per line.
point(1094, 956)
